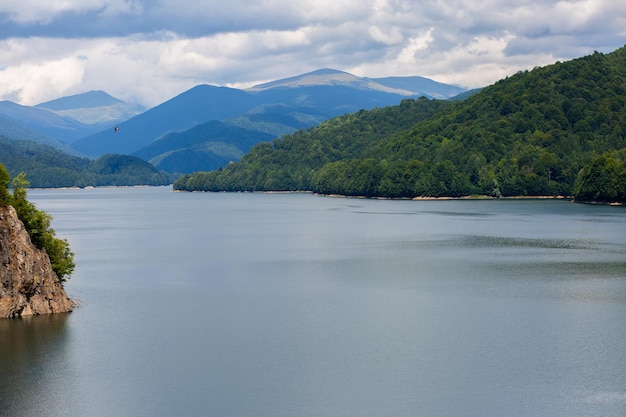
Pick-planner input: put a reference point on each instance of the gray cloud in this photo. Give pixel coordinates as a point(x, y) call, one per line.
point(148, 51)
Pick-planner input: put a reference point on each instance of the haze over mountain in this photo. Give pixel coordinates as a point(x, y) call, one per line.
point(421, 86)
point(92, 108)
point(555, 130)
point(43, 121)
point(64, 120)
point(274, 108)
point(11, 128)
point(190, 108)
point(406, 86)
point(206, 126)
point(191, 150)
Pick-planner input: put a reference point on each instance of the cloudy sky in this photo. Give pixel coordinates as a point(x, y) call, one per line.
point(147, 51)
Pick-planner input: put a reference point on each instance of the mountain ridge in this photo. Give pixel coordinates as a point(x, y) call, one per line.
point(275, 108)
point(44, 121)
point(530, 134)
point(67, 119)
point(93, 98)
point(281, 106)
point(331, 77)
point(199, 104)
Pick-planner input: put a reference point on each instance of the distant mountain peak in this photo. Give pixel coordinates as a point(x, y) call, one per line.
point(94, 98)
point(330, 77)
point(94, 107)
point(325, 76)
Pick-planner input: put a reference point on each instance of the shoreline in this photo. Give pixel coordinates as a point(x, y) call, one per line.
point(418, 198)
point(486, 197)
point(468, 197)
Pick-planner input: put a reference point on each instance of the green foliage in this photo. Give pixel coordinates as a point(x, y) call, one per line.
point(48, 167)
point(37, 223)
point(395, 179)
point(529, 134)
point(290, 163)
point(204, 147)
point(603, 179)
point(5, 178)
point(122, 170)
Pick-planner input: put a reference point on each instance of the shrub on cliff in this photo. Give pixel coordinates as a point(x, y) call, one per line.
point(37, 223)
point(4, 185)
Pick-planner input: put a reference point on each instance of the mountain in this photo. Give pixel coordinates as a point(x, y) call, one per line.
point(403, 86)
point(94, 108)
point(330, 77)
point(173, 135)
point(332, 93)
point(90, 99)
point(64, 120)
point(289, 164)
point(278, 119)
point(46, 166)
point(193, 107)
point(12, 128)
point(421, 86)
point(43, 121)
point(274, 109)
point(214, 144)
point(530, 134)
point(205, 147)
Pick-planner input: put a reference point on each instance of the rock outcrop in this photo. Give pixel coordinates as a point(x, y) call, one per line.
point(28, 285)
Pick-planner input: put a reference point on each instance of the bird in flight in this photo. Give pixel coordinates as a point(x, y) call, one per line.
point(116, 128)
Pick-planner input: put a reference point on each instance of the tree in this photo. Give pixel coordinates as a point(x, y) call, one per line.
point(529, 134)
point(603, 179)
point(37, 223)
point(4, 185)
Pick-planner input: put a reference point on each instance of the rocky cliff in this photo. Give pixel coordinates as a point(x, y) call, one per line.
point(28, 285)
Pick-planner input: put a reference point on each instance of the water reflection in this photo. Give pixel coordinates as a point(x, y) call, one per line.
point(293, 305)
point(30, 351)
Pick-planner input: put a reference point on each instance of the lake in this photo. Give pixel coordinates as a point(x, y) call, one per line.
point(245, 304)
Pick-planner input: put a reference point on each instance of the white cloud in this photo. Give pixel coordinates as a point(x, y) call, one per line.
point(152, 50)
point(331, 10)
point(415, 45)
point(387, 36)
point(24, 82)
point(42, 12)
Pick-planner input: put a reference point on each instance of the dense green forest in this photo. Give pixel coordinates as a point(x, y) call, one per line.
point(46, 167)
point(539, 132)
point(603, 179)
point(37, 223)
point(289, 163)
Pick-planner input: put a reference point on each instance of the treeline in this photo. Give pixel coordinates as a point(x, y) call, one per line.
point(603, 179)
point(47, 167)
point(289, 163)
point(530, 134)
point(37, 223)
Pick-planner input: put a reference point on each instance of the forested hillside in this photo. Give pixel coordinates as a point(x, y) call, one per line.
point(207, 127)
point(204, 147)
point(46, 166)
point(291, 162)
point(527, 135)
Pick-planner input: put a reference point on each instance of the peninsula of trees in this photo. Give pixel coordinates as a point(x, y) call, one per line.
point(555, 130)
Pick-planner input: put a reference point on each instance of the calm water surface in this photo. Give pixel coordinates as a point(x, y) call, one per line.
point(295, 305)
